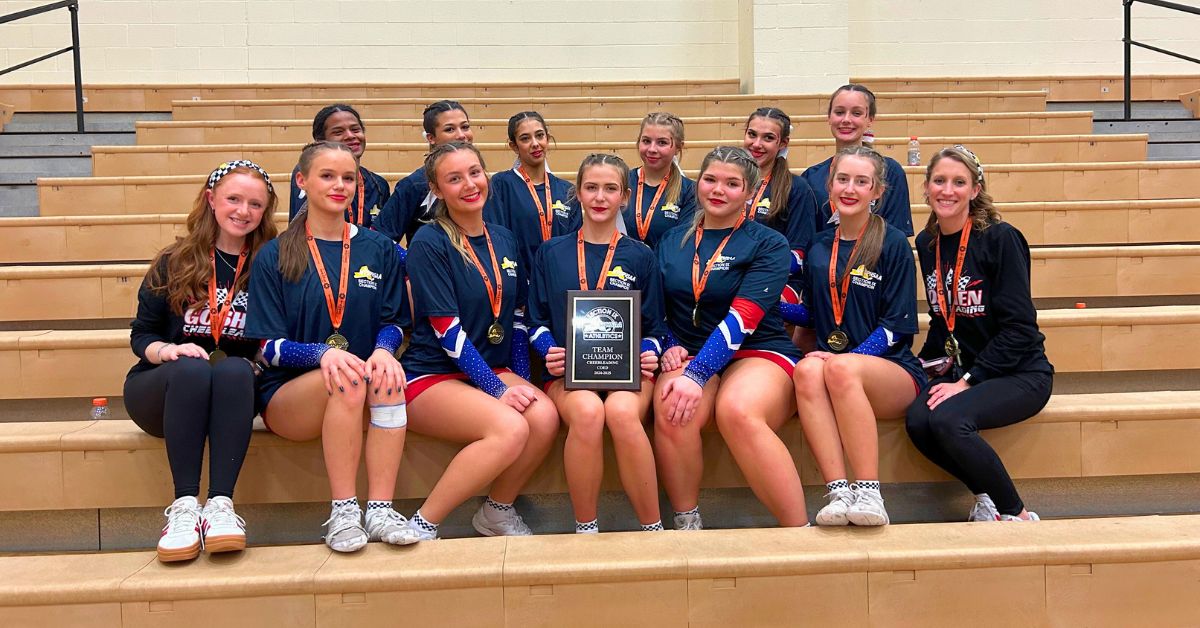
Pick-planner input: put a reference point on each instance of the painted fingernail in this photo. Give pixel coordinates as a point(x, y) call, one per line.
point(341, 389)
point(354, 382)
point(389, 391)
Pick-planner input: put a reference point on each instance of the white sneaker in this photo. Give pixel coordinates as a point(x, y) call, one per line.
point(1033, 516)
point(834, 513)
point(689, 521)
point(181, 536)
point(389, 526)
point(224, 530)
point(491, 522)
point(867, 509)
point(984, 509)
point(345, 532)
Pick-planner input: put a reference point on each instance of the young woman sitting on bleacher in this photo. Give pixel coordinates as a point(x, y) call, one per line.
point(327, 304)
point(662, 197)
point(411, 203)
point(528, 199)
point(598, 257)
point(731, 358)
point(984, 351)
point(860, 297)
point(851, 112)
point(469, 284)
point(341, 123)
point(194, 381)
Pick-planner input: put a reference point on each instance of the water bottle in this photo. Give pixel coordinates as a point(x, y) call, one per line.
point(99, 408)
point(868, 138)
point(914, 151)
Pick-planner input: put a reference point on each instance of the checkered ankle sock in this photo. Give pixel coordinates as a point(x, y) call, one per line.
point(373, 504)
point(652, 527)
point(589, 527)
point(497, 506)
point(349, 501)
point(870, 485)
point(694, 511)
point(420, 522)
point(837, 485)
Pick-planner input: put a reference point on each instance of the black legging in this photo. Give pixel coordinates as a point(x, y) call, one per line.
point(187, 401)
point(949, 435)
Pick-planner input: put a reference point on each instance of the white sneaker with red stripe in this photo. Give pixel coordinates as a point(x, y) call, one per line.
point(181, 536)
point(224, 530)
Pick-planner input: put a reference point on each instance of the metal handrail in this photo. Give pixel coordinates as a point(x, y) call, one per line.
point(73, 7)
point(1130, 43)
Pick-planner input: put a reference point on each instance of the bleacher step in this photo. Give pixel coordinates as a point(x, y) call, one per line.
point(1115, 110)
point(102, 122)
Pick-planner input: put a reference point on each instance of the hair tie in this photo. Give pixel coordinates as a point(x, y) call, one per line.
point(230, 166)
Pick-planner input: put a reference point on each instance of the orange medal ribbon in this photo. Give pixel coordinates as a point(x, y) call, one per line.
point(943, 293)
point(700, 281)
point(336, 304)
point(545, 212)
point(839, 300)
point(356, 217)
point(762, 187)
point(496, 293)
point(218, 312)
point(612, 248)
point(643, 227)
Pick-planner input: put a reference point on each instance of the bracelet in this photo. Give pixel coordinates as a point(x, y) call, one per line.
point(159, 352)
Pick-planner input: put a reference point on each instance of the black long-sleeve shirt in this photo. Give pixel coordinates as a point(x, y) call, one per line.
point(995, 319)
point(156, 322)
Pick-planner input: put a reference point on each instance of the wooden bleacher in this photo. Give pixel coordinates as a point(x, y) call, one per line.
point(1058, 89)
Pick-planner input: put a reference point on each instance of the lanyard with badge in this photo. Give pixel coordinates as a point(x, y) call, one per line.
point(335, 303)
point(643, 227)
point(700, 281)
point(762, 187)
point(608, 258)
point(219, 312)
point(356, 214)
point(545, 212)
point(944, 293)
point(838, 340)
point(495, 332)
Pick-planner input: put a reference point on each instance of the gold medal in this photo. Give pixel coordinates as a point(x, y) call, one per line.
point(696, 316)
point(496, 333)
point(951, 347)
point(838, 340)
point(338, 341)
point(216, 355)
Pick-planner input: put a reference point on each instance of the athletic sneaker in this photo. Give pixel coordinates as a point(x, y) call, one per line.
point(389, 526)
point(984, 509)
point(867, 509)
point(181, 536)
point(834, 513)
point(1033, 516)
point(224, 530)
point(345, 532)
point(489, 521)
point(689, 521)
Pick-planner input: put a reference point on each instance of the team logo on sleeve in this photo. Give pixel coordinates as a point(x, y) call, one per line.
point(509, 265)
point(367, 278)
point(561, 210)
point(868, 279)
point(670, 211)
point(618, 278)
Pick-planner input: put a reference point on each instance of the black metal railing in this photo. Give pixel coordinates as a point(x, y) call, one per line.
point(73, 7)
point(1130, 43)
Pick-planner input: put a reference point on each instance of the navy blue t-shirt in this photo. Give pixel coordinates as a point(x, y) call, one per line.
point(884, 296)
point(375, 194)
point(510, 205)
point(444, 283)
point(405, 211)
point(666, 216)
point(556, 270)
point(796, 220)
point(753, 266)
point(297, 310)
point(894, 207)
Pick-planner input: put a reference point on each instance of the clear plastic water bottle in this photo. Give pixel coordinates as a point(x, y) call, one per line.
point(914, 151)
point(868, 138)
point(99, 408)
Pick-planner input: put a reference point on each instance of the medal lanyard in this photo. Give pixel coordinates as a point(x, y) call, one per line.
point(356, 217)
point(545, 212)
point(700, 281)
point(612, 248)
point(217, 313)
point(337, 306)
point(839, 300)
point(944, 292)
point(644, 227)
point(762, 187)
point(496, 293)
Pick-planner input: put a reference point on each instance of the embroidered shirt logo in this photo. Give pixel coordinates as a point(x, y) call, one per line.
point(670, 211)
point(367, 278)
point(868, 279)
point(618, 278)
point(509, 266)
point(723, 261)
point(561, 210)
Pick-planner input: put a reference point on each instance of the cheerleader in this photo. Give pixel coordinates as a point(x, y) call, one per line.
point(859, 295)
point(662, 197)
point(851, 113)
point(781, 200)
point(327, 300)
point(986, 355)
point(341, 123)
point(731, 358)
point(598, 257)
point(469, 284)
point(528, 199)
point(194, 380)
point(411, 203)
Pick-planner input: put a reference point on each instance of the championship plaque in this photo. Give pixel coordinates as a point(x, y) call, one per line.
point(604, 340)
